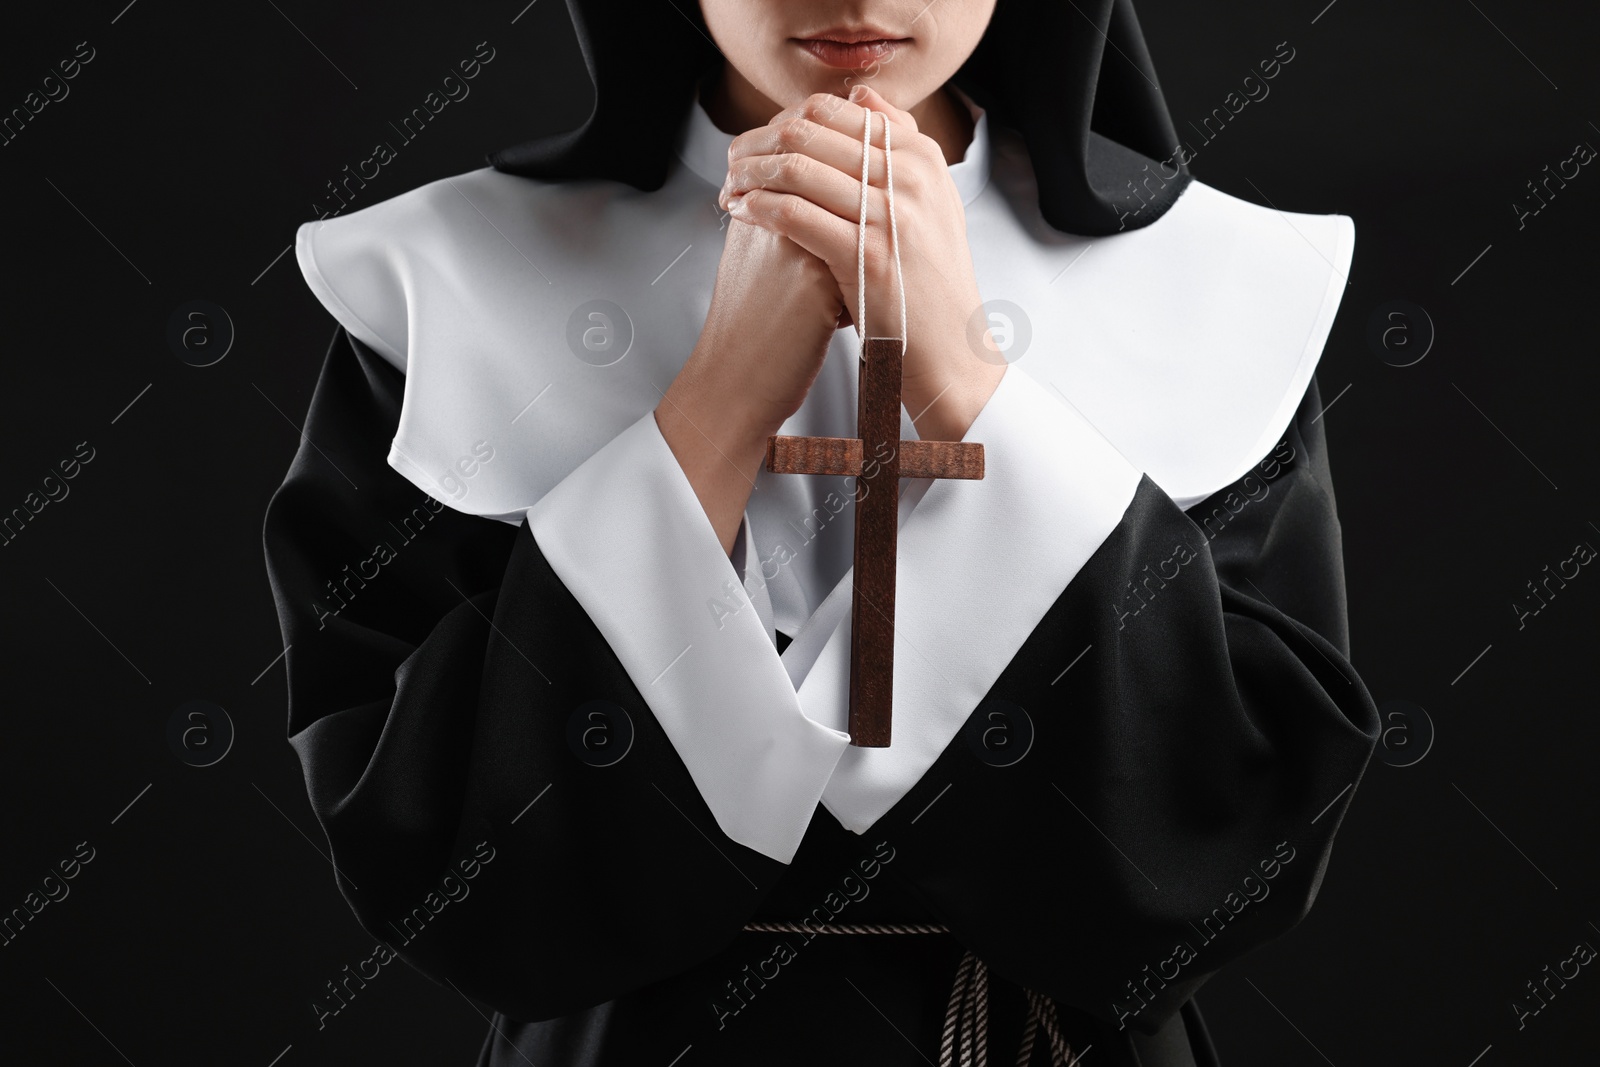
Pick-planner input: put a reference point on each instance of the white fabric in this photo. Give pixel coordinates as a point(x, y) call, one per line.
point(1179, 350)
point(627, 527)
point(755, 590)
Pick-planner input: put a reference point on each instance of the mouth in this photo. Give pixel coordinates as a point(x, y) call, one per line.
point(856, 35)
point(852, 49)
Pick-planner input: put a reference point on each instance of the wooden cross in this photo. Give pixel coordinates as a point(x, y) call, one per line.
point(877, 519)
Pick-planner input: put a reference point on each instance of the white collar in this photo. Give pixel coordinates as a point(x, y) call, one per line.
point(1184, 346)
point(704, 149)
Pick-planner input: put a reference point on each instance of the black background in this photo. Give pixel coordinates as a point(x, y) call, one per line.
point(201, 135)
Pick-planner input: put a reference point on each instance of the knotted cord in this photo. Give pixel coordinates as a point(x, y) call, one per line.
point(966, 1019)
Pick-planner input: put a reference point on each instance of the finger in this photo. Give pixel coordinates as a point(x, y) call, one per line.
point(866, 99)
point(803, 175)
point(804, 128)
point(835, 112)
point(752, 157)
point(817, 230)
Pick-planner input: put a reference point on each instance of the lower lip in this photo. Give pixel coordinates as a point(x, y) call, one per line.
point(851, 56)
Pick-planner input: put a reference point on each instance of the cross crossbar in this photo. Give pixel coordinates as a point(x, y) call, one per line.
point(877, 500)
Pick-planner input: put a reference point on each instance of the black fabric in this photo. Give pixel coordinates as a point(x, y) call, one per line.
point(1074, 79)
point(1178, 752)
point(1204, 1052)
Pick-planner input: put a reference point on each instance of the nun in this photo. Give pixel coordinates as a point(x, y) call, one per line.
point(569, 668)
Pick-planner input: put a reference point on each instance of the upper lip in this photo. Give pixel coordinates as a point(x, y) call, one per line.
point(853, 36)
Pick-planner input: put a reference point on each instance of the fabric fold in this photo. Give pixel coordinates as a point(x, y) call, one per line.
point(627, 535)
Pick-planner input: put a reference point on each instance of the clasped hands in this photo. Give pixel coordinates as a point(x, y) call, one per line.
point(799, 177)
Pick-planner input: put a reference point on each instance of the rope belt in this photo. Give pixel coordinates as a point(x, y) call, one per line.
point(968, 1011)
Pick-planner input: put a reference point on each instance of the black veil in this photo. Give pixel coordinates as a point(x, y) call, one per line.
point(1072, 77)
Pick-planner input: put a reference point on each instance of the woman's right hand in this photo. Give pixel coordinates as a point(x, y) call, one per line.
point(774, 309)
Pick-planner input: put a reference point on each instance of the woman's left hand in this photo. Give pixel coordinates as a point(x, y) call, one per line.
point(800, 176)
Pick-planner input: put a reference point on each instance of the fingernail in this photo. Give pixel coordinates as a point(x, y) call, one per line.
point(857, 91)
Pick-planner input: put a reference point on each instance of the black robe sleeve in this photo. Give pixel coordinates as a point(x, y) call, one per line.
point(1196, 733)
point(1186, 775)
point(435, 666)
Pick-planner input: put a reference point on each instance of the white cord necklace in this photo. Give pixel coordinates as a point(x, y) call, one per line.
point(861, 233)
